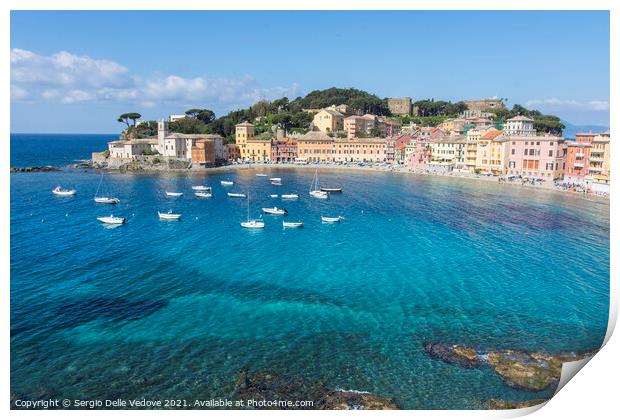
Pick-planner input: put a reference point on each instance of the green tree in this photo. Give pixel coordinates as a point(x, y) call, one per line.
point(125, 118)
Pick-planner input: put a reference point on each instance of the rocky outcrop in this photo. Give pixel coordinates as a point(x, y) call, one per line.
point(35, 169)
point(455, 354)
point(511, 405)
point(269, 386)
point(535, 371)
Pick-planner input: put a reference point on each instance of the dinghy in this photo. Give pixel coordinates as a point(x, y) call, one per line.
point(292, 224)
point(169, 216)
point(261, 174)
point(273, 195)
point(236, 195)
point(331, 219)
point(201, 188)
point(227, 183)
point(173, 194)
point(111, 220)
point(274, 210)
point(290, 196)
point(107, 200)
point(63, 193)
point(275, 179)
point(331, 190)
point(276, 182)
point(252, 224)
point(201, 194)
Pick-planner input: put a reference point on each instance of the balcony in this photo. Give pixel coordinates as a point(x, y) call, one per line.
point(578, 165)
point(579, 155)
point(597, 151)
point(596, 169)
point(597, 159)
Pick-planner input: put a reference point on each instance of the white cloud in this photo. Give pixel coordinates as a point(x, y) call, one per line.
point(568, 104)
point(68, 78)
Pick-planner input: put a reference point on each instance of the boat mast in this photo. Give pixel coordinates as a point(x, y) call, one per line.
point(99, 186)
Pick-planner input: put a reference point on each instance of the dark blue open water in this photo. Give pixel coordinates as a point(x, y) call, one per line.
point(174, 309)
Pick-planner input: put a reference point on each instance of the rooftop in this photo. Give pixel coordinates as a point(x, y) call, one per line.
point(520, 118)
point(491, 134)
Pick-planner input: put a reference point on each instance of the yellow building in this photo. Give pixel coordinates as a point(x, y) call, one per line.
point(491, 152)
point(470, 149)
point(328, 120)
point(243, 133)
point(360, 150)
point(599, 160)
point(257, 150)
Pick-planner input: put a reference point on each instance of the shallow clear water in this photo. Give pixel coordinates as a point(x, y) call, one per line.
point(174, 309)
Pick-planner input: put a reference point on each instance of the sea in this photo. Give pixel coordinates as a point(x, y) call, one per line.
point(159, 309)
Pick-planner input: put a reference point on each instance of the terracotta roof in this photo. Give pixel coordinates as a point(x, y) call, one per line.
point(491, 134)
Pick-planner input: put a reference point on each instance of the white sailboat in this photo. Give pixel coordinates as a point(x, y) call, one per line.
point(104, 199)
point(62, 192)
point(200, 188)
point(202, 194)
point(315, 191)
point(252, 224)
point(111, 220)
point(325, 219)
point(227, 183)
point(289, 196)
point(169, 216)
point(292, 224)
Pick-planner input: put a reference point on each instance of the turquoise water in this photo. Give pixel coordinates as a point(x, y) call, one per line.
point(174, 309)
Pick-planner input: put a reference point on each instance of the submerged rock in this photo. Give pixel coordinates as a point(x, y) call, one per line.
point(274, 387)
point(535, 371)
point(35, 169)
point(455, 354)
point(511, 405)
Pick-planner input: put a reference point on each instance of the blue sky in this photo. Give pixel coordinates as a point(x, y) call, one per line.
point(77, 71)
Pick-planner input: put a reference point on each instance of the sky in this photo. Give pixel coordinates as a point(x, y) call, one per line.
point(77, 71)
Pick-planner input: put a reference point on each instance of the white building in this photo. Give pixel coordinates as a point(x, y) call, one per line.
point(176, 117)
point(519, 126)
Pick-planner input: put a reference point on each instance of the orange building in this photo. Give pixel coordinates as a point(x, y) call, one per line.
point(203, 153)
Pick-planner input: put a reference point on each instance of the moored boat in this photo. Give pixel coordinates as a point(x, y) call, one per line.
point(275, 179)
point(290, 196)
point(292, 224)
point(274, 210)
point(276, 182)
point(62, 192)
point(273, 195)
point(261, 175)
point(201, 194)
point(236, 195)
point(227, 183)
point(111, 220)
point(201, 188)
point(173, 194)
point(331, 219)
point(169, 216)
point(107, 200)
point(331, 190)
point(252, 224)
point(315, 191)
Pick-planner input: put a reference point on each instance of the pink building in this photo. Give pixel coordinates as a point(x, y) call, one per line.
point(283, 150)
point(420, 158)
point(536, 157)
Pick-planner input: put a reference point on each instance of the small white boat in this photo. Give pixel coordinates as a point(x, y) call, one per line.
point(64, 193)
point(261, 174)
point(273, 195)
point(201, 194)
point(331, 190)
point(253, 224)
point(107, 200)
point(174, 194)
point(201, 188)
point(275, 179)
point(276, 182)
point(227, 183)
point(292, 224)
point(169, 216)
point(290, 196)
point(274, 210)
point(236, 195)
point(331, 219)
point(111, 220)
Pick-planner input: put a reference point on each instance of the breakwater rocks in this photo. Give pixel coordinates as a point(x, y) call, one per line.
point(530, 371)
point(35, 169)
point(269, 386)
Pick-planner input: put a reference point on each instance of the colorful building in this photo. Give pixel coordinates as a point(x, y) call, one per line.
point(315, 146)
point(284, 150)
point(328, 120)
point(519, 126)
point(203, 152)
point(360, 150)
point(492, 152)
point(538, 157)
point(588, 161)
